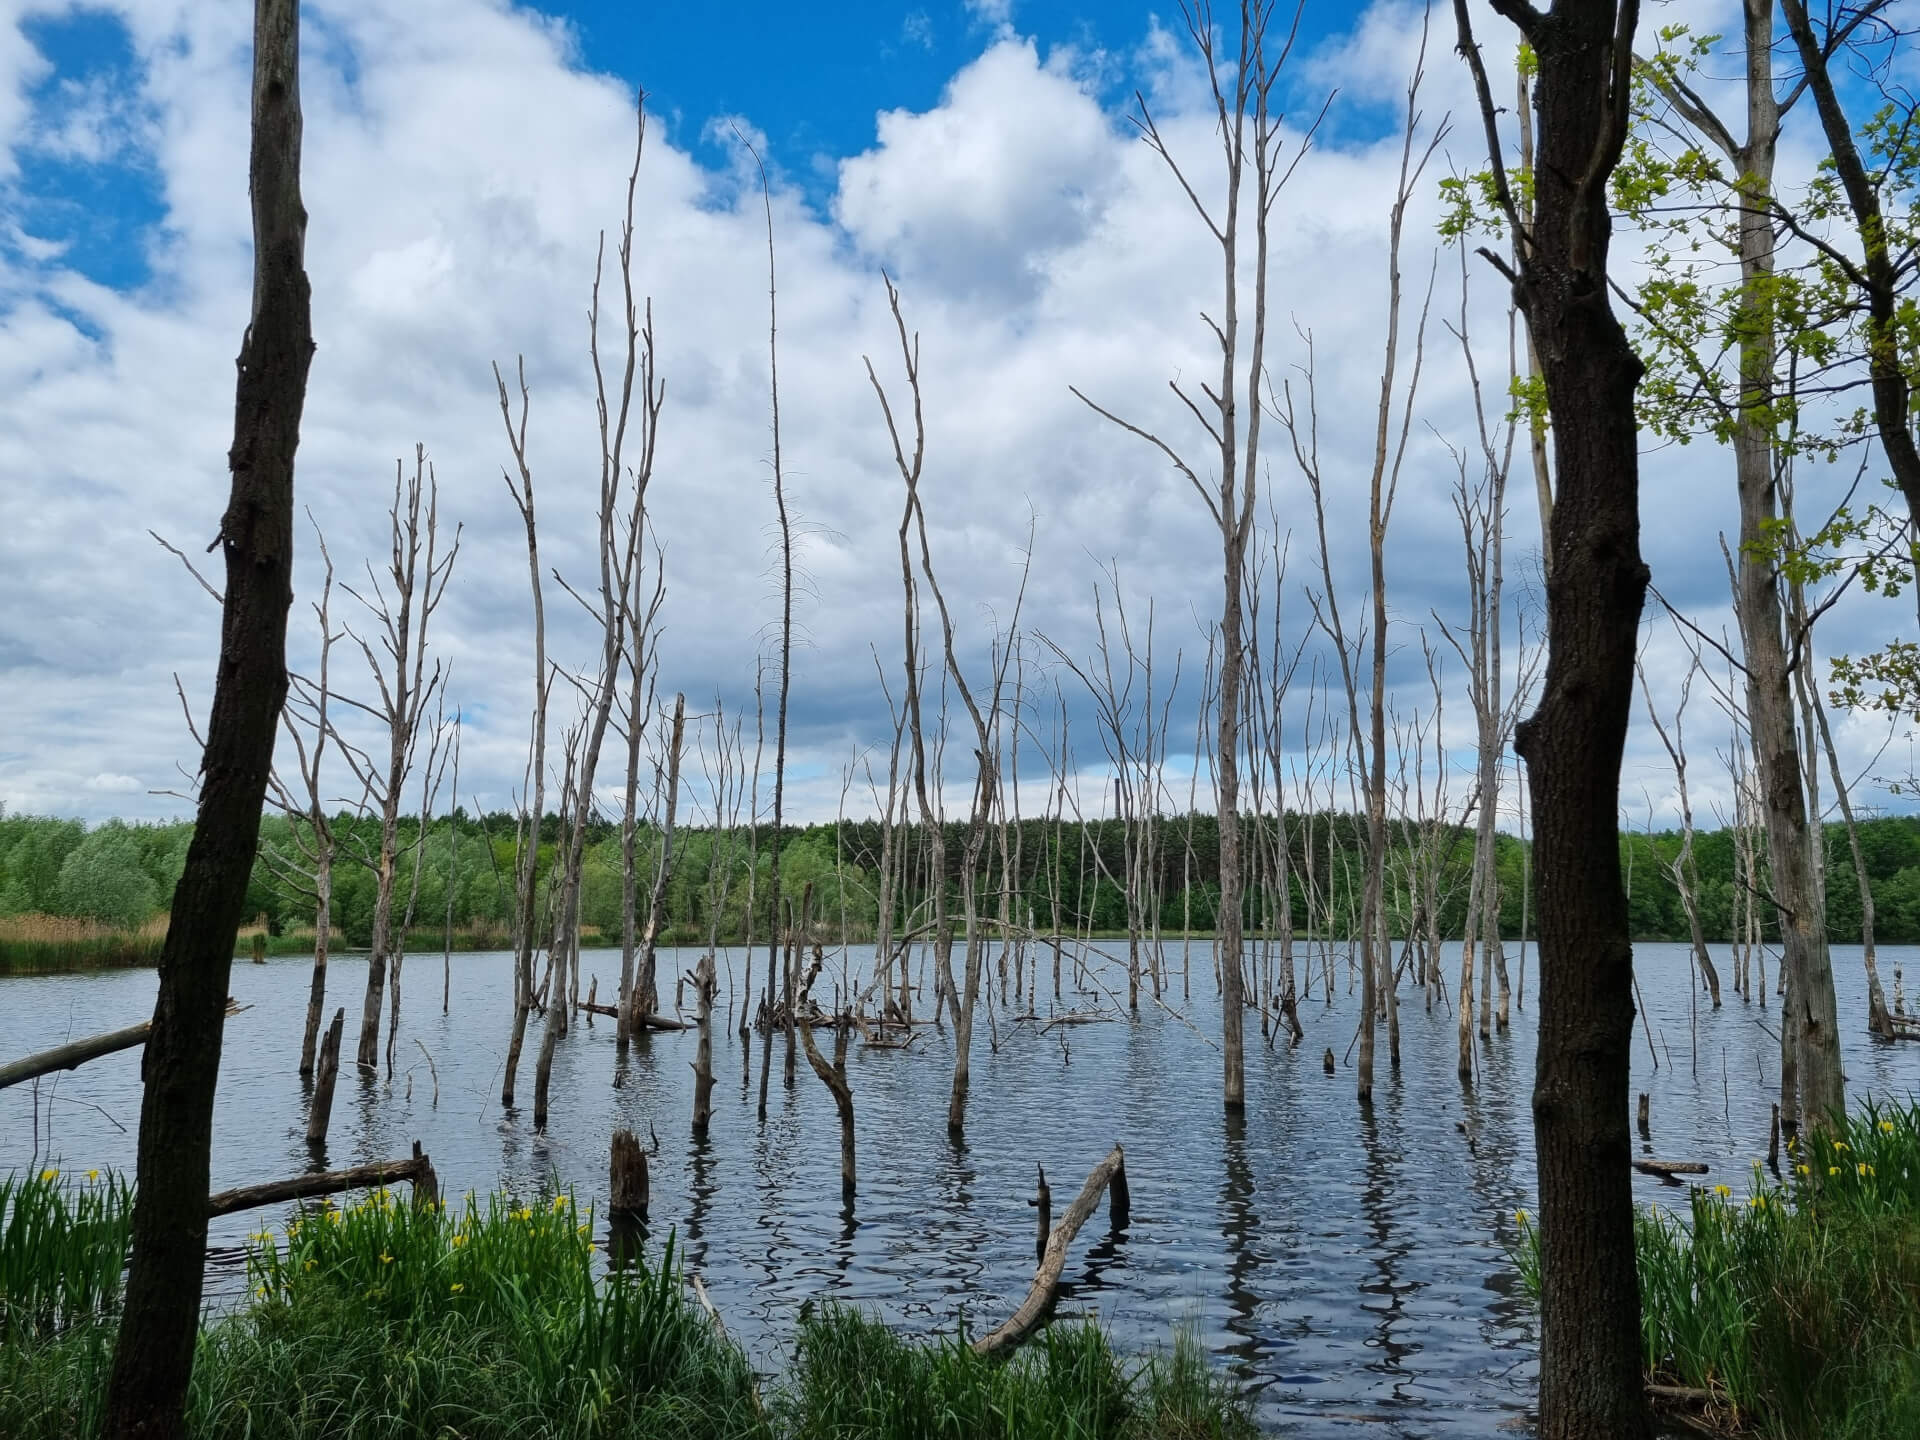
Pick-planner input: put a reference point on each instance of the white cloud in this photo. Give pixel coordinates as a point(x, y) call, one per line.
point(1039, 245)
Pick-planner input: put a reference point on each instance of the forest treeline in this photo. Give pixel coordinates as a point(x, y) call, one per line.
point(123, 874)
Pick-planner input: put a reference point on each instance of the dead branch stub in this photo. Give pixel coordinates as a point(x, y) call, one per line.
point(1110, 1175)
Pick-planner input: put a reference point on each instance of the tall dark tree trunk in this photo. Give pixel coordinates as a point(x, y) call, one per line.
point(1590, 1376)
point(153, 1359)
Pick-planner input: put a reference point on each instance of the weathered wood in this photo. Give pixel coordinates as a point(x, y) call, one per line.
point(704, 986)
point(1644, 1118)
point(640, 1022)
point(417, 1170)
point(629, 1185)
point(1053, 1260)
point(1667, 1169)
point(79, 1052)
point(834, 1077)
point(320, 1108)
point(1042, 1203)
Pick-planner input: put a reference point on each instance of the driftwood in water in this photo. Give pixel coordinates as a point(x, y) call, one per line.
point(640, 1022)
point(418, 1171)
point(78, 1052)
point(1667, 1169)
point(630, 1187)
point(320, 1108)
point(1644, 1118)
point(1109, 1175)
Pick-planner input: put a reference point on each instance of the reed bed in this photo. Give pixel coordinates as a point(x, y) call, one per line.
point(1796, 1306)
point(45, 944)
point(379, 1321)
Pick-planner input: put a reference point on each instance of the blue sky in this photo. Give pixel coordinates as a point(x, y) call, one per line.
point(462, 158)
point(810, 78)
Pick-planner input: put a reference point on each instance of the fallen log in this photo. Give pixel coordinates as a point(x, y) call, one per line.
point(1110, 1175)
point(1667, 1169)
point(418, 1171)
point(78, 1052)
point(642, 1022)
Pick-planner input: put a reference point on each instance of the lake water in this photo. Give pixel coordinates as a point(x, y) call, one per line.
point(1354, 1270)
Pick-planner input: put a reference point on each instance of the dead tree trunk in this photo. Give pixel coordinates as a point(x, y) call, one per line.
point(834, 1077)
point(527, 833)
point(320, 1107)
point(645, 996)
point(703, 990)
point(160, 1318)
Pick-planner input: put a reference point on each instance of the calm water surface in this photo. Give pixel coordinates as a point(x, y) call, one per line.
point(1353, 1269)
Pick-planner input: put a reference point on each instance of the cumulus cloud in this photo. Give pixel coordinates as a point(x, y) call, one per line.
point(1039, 245)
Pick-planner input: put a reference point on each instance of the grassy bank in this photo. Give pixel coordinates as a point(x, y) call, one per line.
point(46, 944)
point(1795, 1306)
point(379, 1322)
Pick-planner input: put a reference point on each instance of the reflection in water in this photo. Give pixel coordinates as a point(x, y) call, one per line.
point(1238, 1221)
point(1389, 1247)
point(1345, 1269)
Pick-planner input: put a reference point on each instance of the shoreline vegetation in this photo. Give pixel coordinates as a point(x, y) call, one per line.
point(504, 1318)
point(73, 896)
point(1791, 1312)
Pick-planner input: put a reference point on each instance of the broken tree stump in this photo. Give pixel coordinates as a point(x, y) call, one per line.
point(1053, 1260)
point(629, 1185)
point(1042, 1203)
point(320, 1108)
point(1645, 1118)
point(418, 1171)
point(705, 986)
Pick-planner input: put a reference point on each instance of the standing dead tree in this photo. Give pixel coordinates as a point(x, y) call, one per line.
point(1482, 509)
point(160, 1315)
point(1249, 133)
point(527, 831)
point(986, 788)
point(622, 515)
point(1686, 879)
point(401, 621)
point(1377, 989)
point(641, 667)
point(641, 1002)
point(1134, 737)
point(311, 873)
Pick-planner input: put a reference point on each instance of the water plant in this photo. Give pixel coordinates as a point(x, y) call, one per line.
point(63, 1246)
point(1795, 1306)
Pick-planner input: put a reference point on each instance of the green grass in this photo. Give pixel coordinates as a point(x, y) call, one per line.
point(1796, 1305)
point(854, 1377)
point(378, 1321)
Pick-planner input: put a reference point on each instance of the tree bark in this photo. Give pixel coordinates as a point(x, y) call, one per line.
point(1590, 1366)
point(153, 1357)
